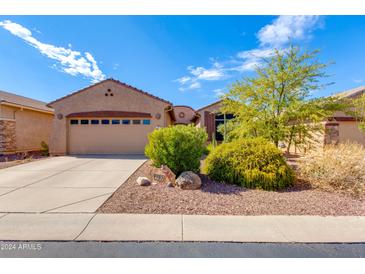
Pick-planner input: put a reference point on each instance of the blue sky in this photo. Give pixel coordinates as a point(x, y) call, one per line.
point(187, 60)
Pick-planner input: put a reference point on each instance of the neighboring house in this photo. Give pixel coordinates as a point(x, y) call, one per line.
point(338, 129)
point(211, 118)
point(109, 117)
point(342, 127)
point(24, 123)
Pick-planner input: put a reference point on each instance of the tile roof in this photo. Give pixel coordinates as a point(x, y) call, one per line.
point(351, 92)
point(212, 104)
point(115, 81)
point(7, 97)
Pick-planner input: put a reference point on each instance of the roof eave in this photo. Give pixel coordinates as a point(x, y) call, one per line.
point(115, 81)
point(11, 104)
point(212, 104)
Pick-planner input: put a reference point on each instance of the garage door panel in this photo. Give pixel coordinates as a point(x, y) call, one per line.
point(108, 139)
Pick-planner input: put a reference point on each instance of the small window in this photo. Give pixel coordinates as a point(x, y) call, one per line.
point(115, 122)
point(94, 122)
point(105, 122)
point(136, 122)
point(146, 122)
point(126, 122)
point(74, 122)
point(84, 122)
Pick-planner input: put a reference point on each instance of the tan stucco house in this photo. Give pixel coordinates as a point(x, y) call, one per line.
point(24, 123)
point(343, 127)
point(109, 117)
point(211, 118)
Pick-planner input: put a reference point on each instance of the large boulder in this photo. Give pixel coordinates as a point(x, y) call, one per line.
point(143, 181)
point(188, 180)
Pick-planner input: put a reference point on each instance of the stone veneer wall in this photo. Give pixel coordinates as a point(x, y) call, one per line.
point(7, 136)
point(332, 133)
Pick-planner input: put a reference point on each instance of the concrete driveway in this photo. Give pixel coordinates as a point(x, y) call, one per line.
point(69, 184)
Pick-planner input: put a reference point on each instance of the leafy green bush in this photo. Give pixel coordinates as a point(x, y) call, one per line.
point(251, 163)
point(179, 147)
point(208, 149)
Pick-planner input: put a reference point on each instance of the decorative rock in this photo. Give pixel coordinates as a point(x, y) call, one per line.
point(188, 180)
point(169, 174)
point(170, 184)
point(143, 181)
point(162, 175)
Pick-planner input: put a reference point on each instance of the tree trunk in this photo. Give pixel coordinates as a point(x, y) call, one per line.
point(276, 142)
point(290, 139)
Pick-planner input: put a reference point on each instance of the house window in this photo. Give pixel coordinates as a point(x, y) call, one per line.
point(84, 122)
point(219, 119)
point(115, 122)
point(105, 122)
point(74, 122)
point(146, 122)
point(136, 122)
point(126, 122)
point(94, 122)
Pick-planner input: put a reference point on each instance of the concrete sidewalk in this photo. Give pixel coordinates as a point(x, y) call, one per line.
point(140, 227)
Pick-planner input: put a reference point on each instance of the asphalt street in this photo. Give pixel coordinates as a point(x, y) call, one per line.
point(74, 249)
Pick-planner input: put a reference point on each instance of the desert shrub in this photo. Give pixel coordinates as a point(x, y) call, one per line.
point(44, 149)
point(251, 163)
point(336, 168)
point(179, 147)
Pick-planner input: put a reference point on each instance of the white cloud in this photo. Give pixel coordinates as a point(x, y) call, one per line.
point(191, 86)
point(255, 53)
point(36, 30)
point(115, 66)
point(275, 35)
point(70, 61)
point(358, 81)
point(219, 92)
point(252, 58)
point(183, 80)
point(195, 85)
point(216, 72)
point(287, 27)
point(198, 74)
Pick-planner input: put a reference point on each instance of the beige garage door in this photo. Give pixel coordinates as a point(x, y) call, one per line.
point(108, 135)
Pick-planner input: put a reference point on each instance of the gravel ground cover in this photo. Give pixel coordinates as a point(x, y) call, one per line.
point(18, 159)
point(222, 199)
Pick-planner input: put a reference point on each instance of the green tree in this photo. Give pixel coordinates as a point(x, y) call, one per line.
point(276, 104)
